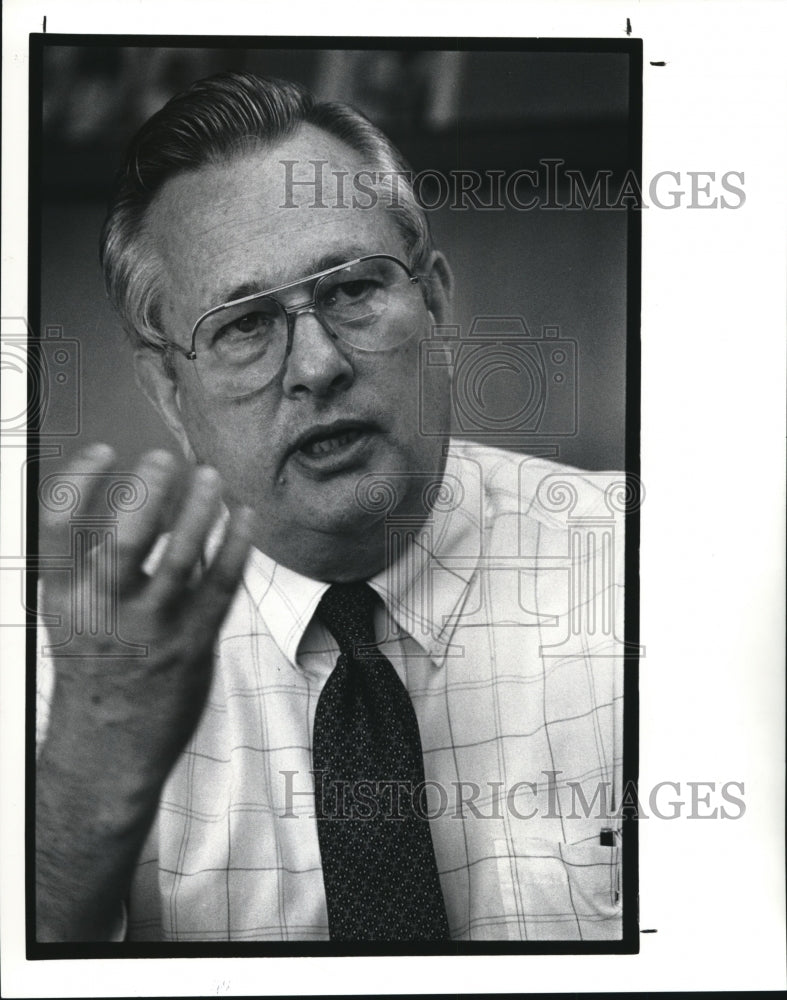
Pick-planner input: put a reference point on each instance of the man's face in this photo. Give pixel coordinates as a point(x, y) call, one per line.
point(225, 227)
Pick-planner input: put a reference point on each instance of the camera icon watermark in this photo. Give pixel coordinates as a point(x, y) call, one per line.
point(43, 372)
point(507, 383)
point(40, 406)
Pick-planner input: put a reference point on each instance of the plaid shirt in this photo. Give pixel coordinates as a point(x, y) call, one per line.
point(503, 618)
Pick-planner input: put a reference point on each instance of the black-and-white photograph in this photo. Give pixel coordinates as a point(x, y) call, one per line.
point(428, 639)
point(339, 656)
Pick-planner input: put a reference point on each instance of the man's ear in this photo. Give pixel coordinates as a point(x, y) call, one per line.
point(439, 287)
point(161, 390)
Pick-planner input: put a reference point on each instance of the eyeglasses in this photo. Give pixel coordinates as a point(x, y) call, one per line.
point(371, 304)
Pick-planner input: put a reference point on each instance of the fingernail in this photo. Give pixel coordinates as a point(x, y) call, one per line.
point(206, 474)
point(245, 516)
point(158, 457)
point(99, 451)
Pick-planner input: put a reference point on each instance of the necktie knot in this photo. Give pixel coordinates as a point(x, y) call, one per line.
point(347, 611)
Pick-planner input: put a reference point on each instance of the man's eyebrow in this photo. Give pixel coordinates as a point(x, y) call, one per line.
point(314, 266)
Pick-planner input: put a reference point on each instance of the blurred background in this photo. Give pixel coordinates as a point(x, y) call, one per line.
point(522, 277)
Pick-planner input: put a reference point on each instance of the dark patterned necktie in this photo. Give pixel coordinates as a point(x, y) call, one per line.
point(378, 862)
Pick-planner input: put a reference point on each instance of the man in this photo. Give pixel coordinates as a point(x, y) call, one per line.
point(367, 705)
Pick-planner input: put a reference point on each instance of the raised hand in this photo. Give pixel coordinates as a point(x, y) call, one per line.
point(118, 723)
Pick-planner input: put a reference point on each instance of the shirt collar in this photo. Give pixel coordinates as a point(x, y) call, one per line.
point(285, 599)
point(423, 588)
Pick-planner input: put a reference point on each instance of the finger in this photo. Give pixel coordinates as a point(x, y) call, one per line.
point(64, 493)
point(157, 489)
point(223, 577)
point(186, 543)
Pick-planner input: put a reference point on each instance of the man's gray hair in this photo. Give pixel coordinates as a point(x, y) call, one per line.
point(213, 121)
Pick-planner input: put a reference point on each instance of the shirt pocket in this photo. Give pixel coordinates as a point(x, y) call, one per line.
point(555, 892)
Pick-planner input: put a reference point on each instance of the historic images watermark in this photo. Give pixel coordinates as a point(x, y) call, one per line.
point(524, 800)
point(549, 186)
point(46, 372)
point(590, 509)
point(42, 391)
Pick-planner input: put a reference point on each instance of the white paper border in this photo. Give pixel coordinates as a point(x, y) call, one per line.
point(712, 593)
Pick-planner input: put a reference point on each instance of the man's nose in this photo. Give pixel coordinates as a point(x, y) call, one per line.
point(317, 364)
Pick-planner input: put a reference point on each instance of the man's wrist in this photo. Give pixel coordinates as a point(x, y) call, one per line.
point(88, 839)
point(97, 741)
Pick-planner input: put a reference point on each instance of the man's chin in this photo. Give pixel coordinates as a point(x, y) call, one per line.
point(341, 510)
point(333, 507)
point(329, 541)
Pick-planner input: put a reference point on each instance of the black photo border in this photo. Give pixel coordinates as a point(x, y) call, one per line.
point(629, 943)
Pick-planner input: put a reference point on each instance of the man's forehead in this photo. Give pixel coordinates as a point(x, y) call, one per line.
point(294, 183)
point(238, 224)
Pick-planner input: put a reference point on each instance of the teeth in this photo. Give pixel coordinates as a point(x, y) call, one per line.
point(327, 445)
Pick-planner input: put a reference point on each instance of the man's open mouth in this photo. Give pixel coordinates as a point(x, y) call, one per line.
point(331, 446)
point(328, 444)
